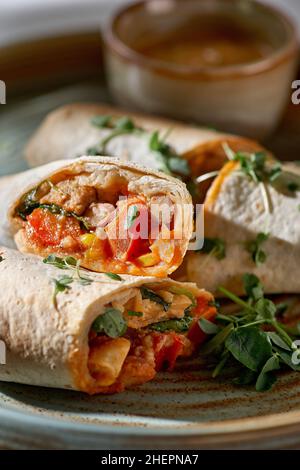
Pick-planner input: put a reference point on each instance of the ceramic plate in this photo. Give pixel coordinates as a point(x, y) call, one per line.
point(183, 409)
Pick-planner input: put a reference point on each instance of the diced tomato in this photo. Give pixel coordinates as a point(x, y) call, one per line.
point(50, 229)
point(128, 232)
point(167, 347)
point(195, 334)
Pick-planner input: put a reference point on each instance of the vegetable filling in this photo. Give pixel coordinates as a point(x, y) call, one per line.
point(107, 228)
point(130, 343)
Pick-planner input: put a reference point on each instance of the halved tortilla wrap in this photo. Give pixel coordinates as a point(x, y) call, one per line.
point(97, 335)
point(111, 215)
point(237, 210)
point(69, 132)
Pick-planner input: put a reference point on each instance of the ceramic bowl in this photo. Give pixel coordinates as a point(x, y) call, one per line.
point(246, 98)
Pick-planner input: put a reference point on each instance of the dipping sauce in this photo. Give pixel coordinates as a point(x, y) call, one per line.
point(209, 40)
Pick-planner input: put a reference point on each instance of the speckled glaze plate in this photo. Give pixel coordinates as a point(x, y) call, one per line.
point(180, 410)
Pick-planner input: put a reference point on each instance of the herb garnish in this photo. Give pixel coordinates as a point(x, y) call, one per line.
point(80, 275)
point(114, 276)
point(208, 326)
point(61, 263)
point(60, 285)
point(111, 323)
point(120, 126)
point(243, 337)
point(253, 287)
point(254, 165)
point(214, 247)
point(132, 214)
point(169, 161)
point(63, 282)
point(255, 250)
point(151, 295)
point(74, 265)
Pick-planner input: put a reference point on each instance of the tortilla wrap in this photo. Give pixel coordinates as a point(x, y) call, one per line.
point(47, 342)
point(235, 212)
point(106, 178)
point(69, 133)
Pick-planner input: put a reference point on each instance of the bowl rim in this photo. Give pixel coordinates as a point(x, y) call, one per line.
point(282, 54)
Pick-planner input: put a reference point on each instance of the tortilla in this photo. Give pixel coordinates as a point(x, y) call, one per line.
point(235, 212)
point(104, 179)
point(47, 342)
point(69, 133)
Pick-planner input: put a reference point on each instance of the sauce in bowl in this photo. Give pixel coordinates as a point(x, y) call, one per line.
point(209, 40)
point(223, 63)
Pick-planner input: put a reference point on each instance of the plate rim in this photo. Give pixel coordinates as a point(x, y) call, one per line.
point(197, 429)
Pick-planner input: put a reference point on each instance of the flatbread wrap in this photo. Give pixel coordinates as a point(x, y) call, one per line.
point(68, 328)
point(111, 215)
point(252, 225)
point(170, 146)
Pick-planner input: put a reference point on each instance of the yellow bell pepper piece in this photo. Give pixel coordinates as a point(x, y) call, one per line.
point(88, 239)
point(150, 259)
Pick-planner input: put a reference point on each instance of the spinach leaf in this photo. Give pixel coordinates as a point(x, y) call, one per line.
point(179, 326)
point(111, 323)
point(55, 209)
point(29, 204)
point(151, 295)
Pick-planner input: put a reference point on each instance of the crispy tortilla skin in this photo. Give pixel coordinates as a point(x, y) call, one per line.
point(234, 212)
point(48, 345)
point(152, 180)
